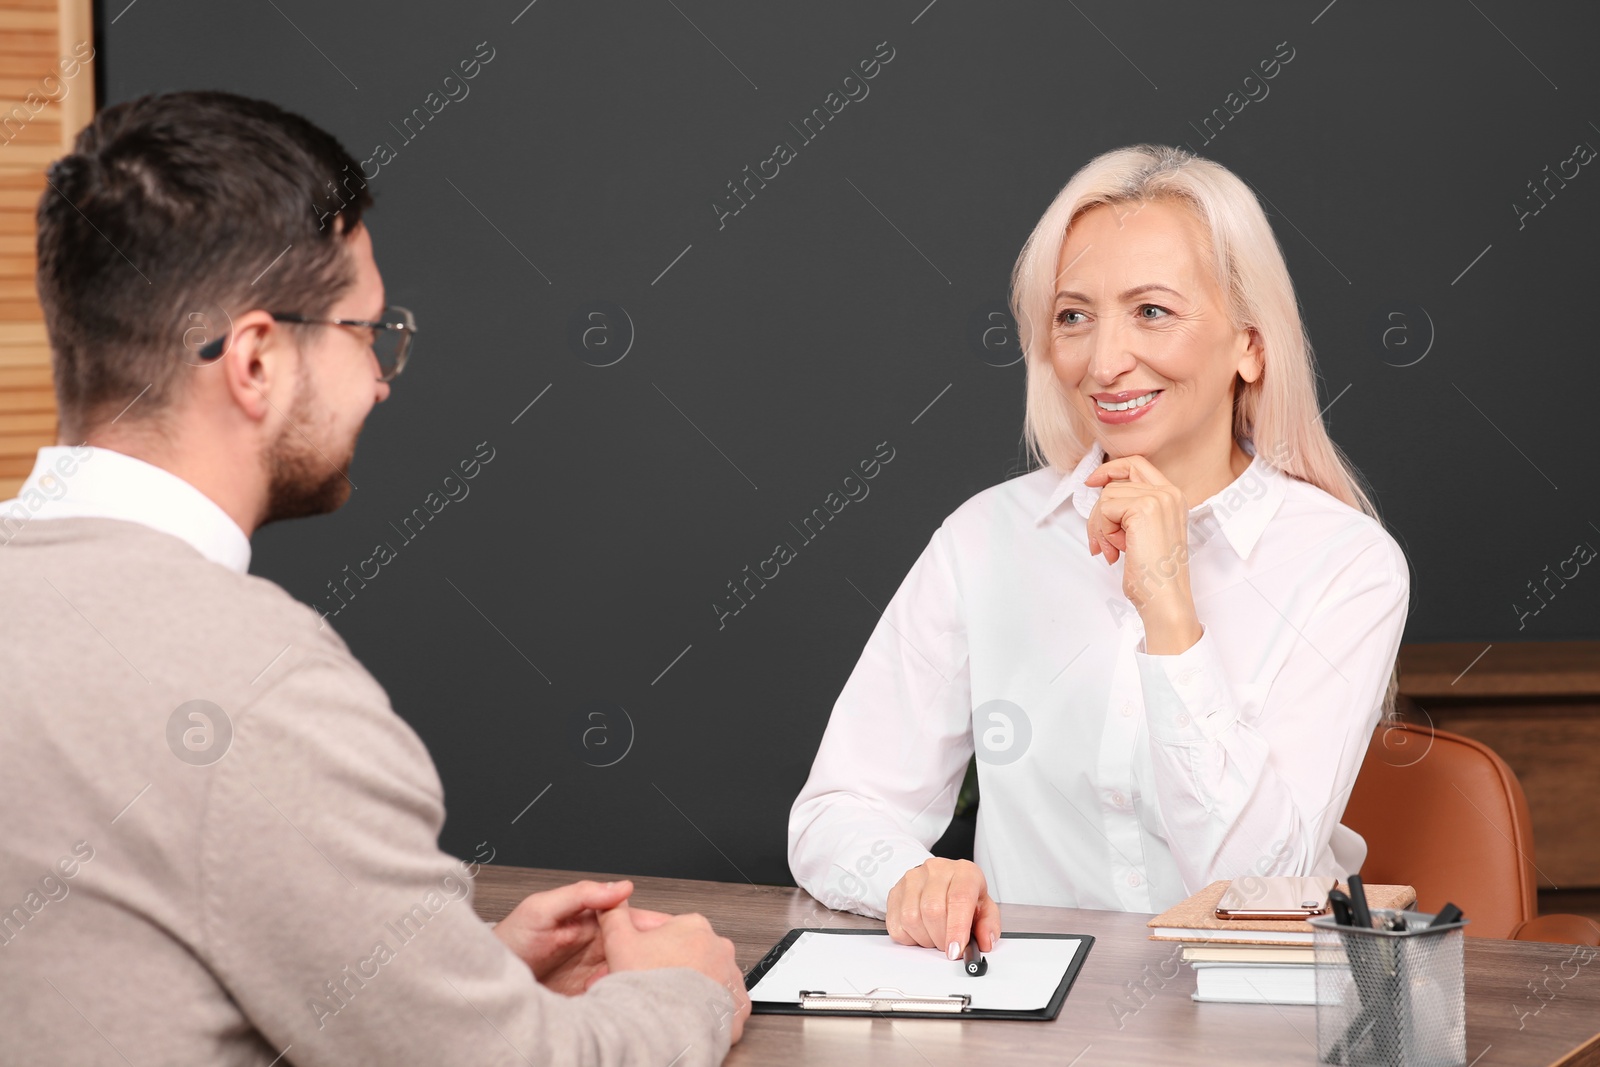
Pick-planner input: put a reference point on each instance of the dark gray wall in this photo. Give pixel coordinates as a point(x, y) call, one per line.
point(771, 354)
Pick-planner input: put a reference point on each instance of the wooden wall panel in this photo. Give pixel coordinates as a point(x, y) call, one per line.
point(1537, 704)
point(39, 117)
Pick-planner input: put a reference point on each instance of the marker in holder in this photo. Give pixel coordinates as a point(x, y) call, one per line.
point(1391, 994)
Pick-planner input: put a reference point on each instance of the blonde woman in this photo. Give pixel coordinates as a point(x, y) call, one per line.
point(1170, 643)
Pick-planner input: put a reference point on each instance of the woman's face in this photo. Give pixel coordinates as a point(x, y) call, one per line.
point(1138, 317)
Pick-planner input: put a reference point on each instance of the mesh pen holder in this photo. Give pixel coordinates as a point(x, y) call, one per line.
point(1390, 998)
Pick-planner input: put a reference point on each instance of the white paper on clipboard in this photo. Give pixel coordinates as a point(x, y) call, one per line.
point(1023, 973)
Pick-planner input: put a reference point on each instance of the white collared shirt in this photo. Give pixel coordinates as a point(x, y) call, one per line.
point(1111, 778)
point(83, 481)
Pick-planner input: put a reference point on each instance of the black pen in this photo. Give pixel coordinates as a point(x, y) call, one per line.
point(1359, 914)
point(1340, 905)
point(972, 960)
point(1447, 915)
point(1371, 966)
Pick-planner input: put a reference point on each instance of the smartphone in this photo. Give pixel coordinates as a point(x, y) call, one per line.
point(1277, 897)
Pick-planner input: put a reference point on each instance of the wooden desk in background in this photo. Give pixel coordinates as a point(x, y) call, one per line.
point(1122, 1009)
point(1537, 704)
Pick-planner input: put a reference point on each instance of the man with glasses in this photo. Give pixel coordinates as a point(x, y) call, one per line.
point(221, 843)
point(389, 346)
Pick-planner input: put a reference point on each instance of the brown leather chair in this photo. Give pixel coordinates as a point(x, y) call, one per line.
point(1443, 813)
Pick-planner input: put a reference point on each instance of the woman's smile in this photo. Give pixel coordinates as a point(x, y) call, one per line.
point(1113, 411)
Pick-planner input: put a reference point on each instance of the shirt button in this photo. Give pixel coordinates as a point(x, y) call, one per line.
point(1133, 879)
point(1183, 718)
point(1116, 798)
point(1127, 708)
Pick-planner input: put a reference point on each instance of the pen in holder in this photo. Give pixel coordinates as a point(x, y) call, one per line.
point(1391, 994)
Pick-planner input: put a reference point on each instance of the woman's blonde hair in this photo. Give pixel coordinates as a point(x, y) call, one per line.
point(1278, 411)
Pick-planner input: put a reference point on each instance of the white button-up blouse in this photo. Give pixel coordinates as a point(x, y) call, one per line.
point(1109, 777)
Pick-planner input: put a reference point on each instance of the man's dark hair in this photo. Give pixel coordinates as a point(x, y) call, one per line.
point(171, 208)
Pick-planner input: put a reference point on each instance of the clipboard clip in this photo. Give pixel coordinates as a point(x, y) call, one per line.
point(884, 998)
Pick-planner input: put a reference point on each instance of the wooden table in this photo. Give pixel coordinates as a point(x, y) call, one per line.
point(1122, 1009)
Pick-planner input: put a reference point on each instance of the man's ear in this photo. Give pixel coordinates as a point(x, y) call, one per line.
point(258, 365)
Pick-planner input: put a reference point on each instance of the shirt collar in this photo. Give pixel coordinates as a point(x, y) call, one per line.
point(1242, 509)
point(83, 481)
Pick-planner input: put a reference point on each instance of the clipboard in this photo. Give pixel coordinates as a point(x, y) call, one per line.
point(952, 1000)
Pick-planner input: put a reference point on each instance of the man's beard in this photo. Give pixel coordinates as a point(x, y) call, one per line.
point(304, 481)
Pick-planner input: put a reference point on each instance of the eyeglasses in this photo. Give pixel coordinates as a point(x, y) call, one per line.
point(391, 335)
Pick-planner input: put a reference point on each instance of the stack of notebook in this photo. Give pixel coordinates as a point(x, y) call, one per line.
point(1252, 961)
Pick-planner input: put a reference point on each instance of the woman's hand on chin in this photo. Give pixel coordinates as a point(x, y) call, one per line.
point(1143, 516)
point(942, 904)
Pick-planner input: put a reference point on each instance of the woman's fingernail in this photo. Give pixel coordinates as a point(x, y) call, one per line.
point(955, 950)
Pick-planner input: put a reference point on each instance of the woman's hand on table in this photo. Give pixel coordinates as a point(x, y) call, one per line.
point(942, 904)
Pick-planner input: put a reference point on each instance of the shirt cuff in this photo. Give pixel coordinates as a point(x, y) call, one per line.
point(1186, 697)
point(863, 885)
